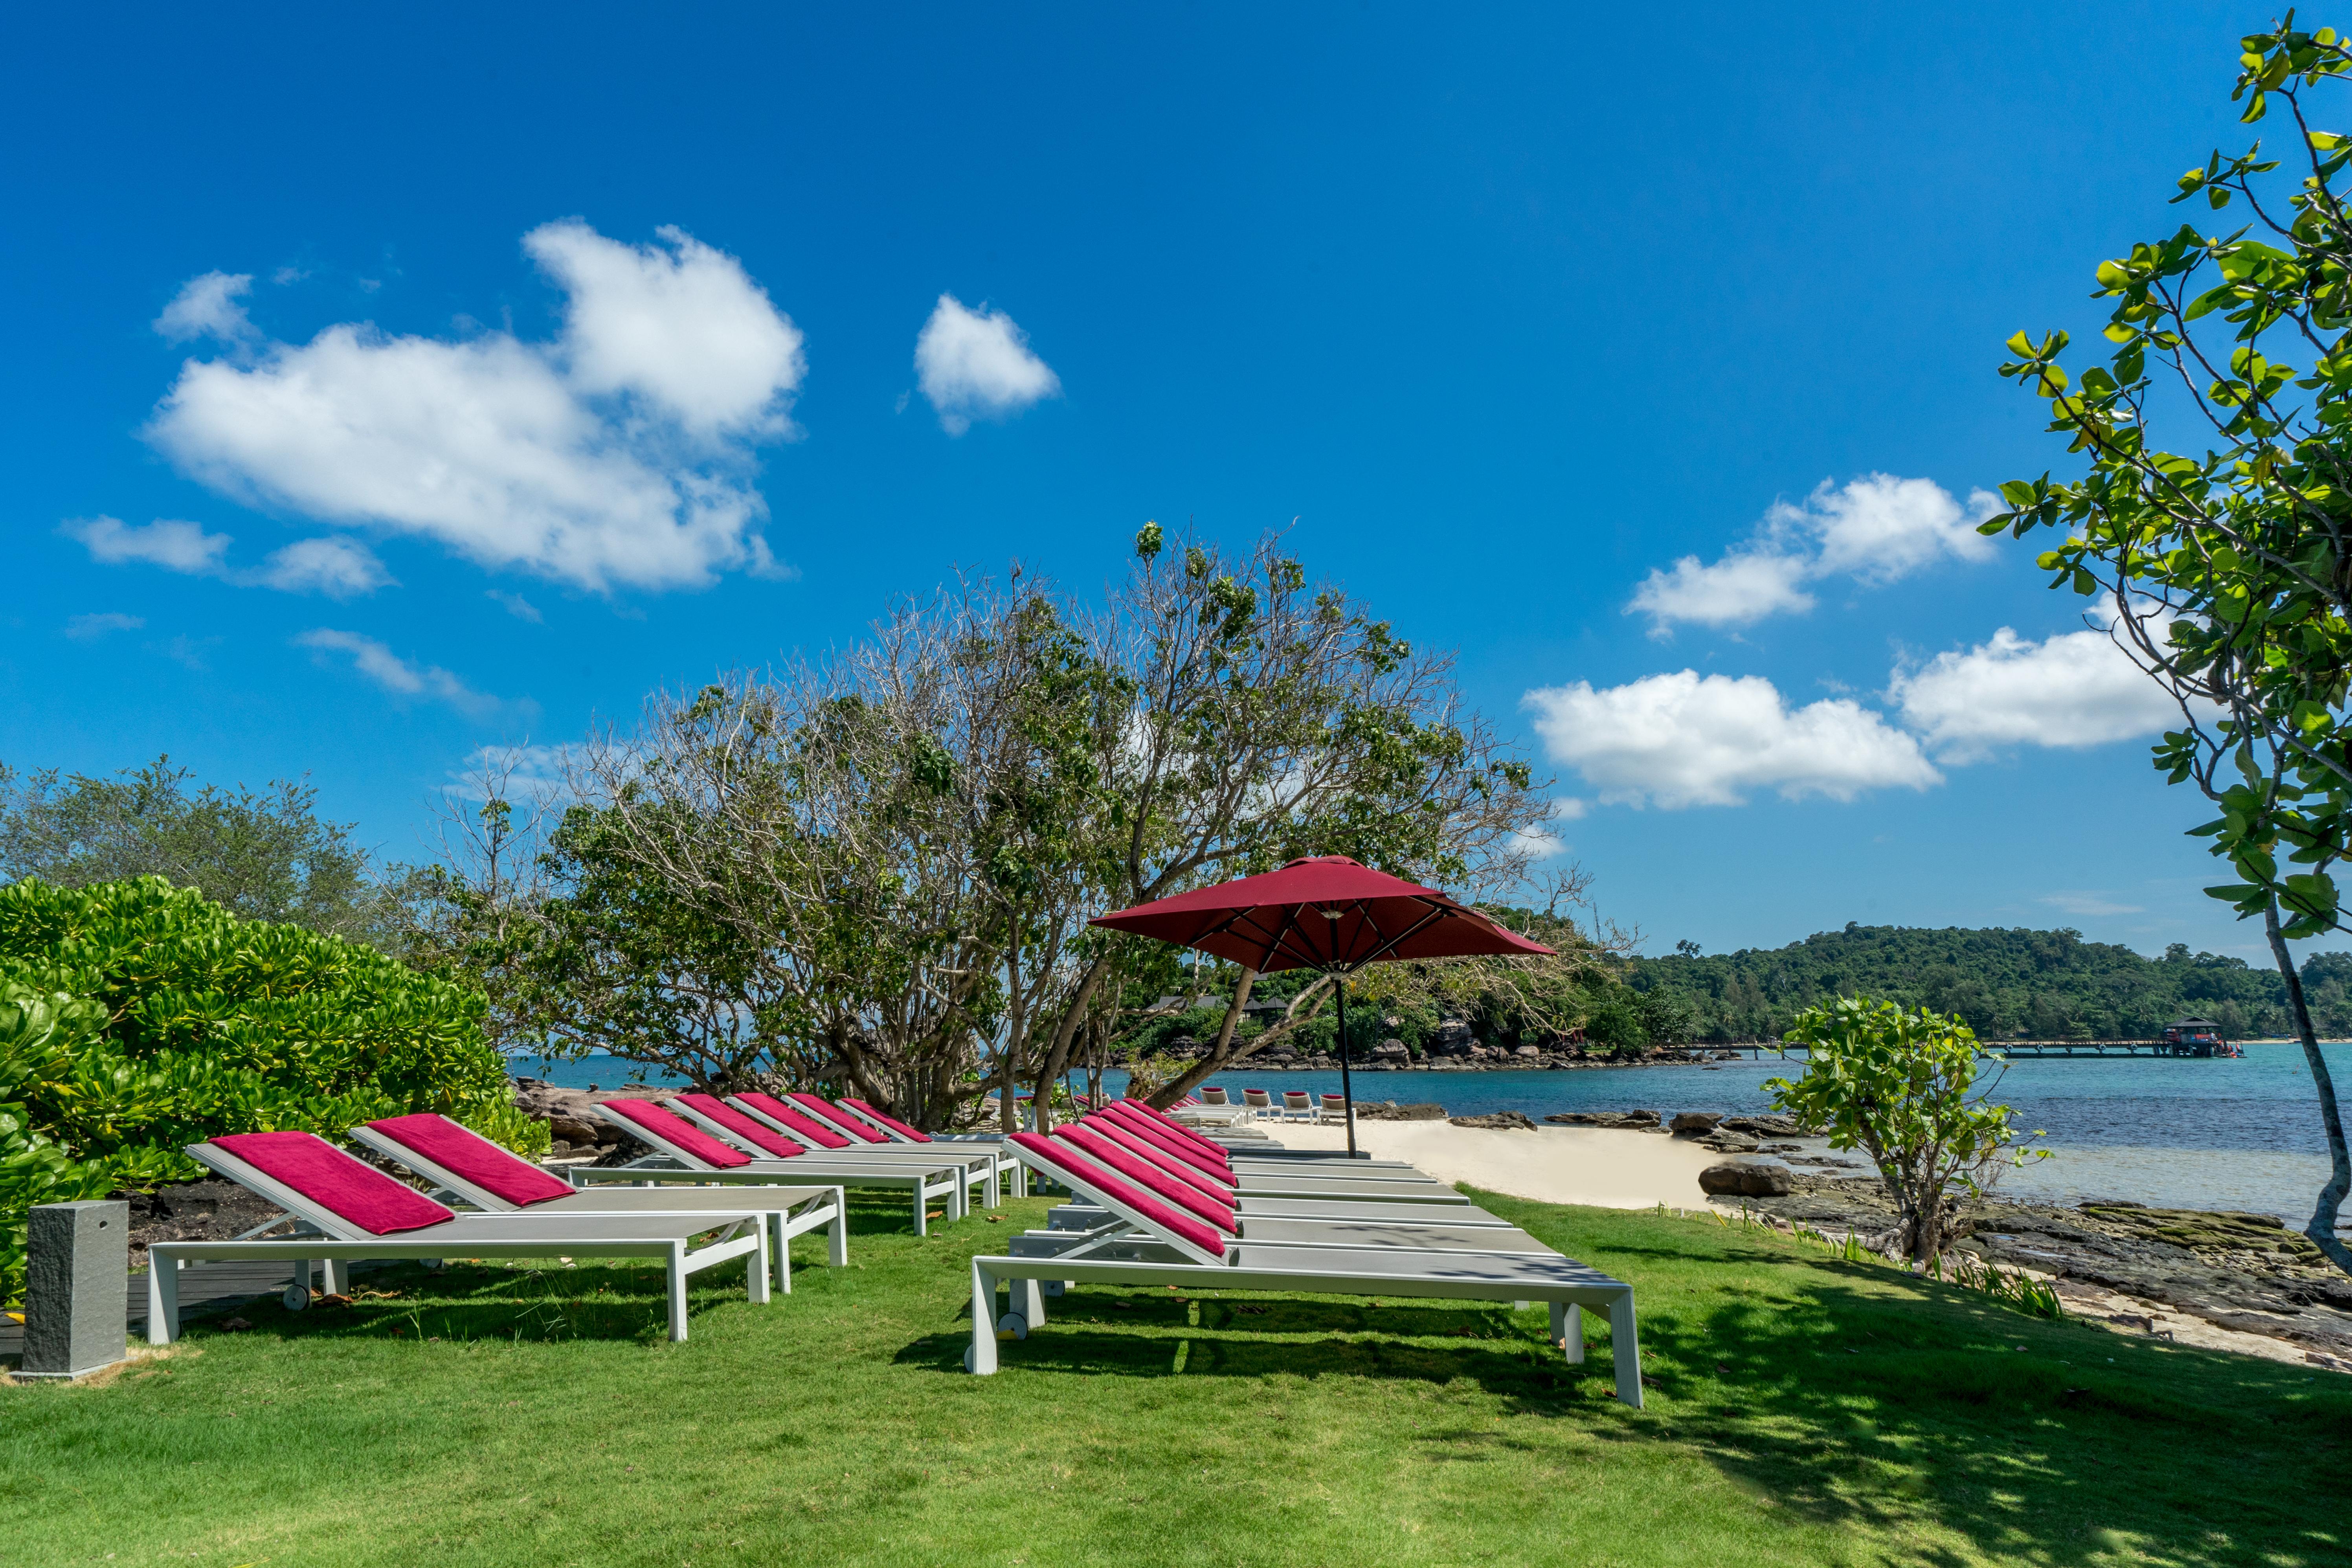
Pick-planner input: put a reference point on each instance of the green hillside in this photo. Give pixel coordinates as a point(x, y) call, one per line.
point(2008, 984)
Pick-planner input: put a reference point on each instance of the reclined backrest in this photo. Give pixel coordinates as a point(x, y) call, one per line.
point(833, 1116)
point(791, 1117)
point(739, 1127)
point(912, 1134)
point(1152, 1135)
point(436, 1145)
point(1174, 1128)
point(329, 1183)
point(1144, 1174)
point(1126, 1137)
point(673, 1135)
point(1122, 1197)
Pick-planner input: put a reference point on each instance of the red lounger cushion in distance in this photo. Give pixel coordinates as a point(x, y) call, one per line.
point(1168, 1123)
point(462, 1152)
point(807, 1126)
point(679, 1133)
point(358, 1193)
point(892, 1122)
point(741, 1126)
point(1191, 1200)
point(1143, 1129)
point(833, 1113)
point(1063, 1160)
point(1142, 1148)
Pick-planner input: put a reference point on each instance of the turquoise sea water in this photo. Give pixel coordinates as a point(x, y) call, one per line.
point(2176, 1132)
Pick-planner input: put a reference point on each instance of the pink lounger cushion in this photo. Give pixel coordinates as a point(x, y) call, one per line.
point(1191, 1200)
point(1118, 1132)
point(741, 1126)
point(466, 1154)
point(1064, 1160)
point(808, 1127)
point(833, 1113)
point(353, 1192)
point(678, 1133)
point(1174, 1128)
point(892, 1122)
point(1144, 1130)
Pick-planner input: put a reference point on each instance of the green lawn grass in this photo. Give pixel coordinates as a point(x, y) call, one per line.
point(1805, 1410)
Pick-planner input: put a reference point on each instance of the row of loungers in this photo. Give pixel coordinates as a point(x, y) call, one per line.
point(1157, 1204)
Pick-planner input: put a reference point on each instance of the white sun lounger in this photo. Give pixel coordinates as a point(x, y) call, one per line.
point(472, 1169)
point(1340, 1180)
point(760, 1138)
point(693, 1155)
point(1156, 1246)
point(359, 1212)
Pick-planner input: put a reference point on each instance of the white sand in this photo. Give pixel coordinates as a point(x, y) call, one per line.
point(1602, 1167)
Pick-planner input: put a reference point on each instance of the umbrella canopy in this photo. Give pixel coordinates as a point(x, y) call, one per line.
point(1326, 912)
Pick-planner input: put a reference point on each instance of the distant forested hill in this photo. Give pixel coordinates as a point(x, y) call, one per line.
point(2008, 984)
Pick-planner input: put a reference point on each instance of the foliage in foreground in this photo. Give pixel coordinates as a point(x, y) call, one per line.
point(1901, 1086)
point(136, 1018)
point(1803, 1410)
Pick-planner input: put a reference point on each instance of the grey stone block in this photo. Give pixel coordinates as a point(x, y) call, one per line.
point(76, 1276)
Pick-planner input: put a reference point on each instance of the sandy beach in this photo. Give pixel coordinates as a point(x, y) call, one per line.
point(1554, 1164)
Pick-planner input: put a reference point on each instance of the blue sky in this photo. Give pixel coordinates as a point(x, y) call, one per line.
point(577, 353)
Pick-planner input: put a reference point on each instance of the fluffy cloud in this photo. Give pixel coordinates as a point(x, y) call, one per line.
point(89, 628)
point(206, 307)
point(2074, 689)
point(518, 606)
point(1686, 739)
point(1543, 841)
point(2089, 903)
point(1876, 530)
point(377, 663)
point(977, 364)
point(618, 454)
point(338, 568)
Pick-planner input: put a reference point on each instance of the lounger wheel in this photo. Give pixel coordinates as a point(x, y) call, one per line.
point(297, 1297)
point(966, 1358)
point(1012, 1324)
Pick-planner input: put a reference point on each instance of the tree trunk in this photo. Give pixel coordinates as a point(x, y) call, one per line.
point(2321, 1228)
point(1008, 1079)
point(1058, 1054)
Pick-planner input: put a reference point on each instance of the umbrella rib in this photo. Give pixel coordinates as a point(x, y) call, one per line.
point(1436, 912)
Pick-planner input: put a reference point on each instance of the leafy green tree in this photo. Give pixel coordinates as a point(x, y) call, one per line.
point(2227, 571)
point(1897, 1085)
point(263, 855)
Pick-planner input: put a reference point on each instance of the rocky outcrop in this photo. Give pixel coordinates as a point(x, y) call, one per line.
point(1390, 1110)
point(1694, 1123)
point(1762, 1126)
point(1747, 1179)
point(572, 1130)
point(1642, 1120)
point(1499, 1120)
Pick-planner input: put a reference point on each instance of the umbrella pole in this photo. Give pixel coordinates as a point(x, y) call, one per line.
point(1346, 1091)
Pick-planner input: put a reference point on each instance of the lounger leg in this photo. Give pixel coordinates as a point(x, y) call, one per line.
point(922, 1202)
point(839, 1230)
point(338, 1276)
point(677, 1292)
point(980, 1361)
point(1568, 1330)
point(1627, 1349)
point(162, 1299)
point(1029, 1301)
point(755, 1268)
point(780, 1249)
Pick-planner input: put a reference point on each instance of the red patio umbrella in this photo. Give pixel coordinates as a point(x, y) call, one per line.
point(1327, 913)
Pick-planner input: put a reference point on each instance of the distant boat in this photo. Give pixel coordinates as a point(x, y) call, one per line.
point(2197, 1037)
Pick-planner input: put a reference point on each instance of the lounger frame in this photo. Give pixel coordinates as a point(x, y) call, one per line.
point(944, 1183)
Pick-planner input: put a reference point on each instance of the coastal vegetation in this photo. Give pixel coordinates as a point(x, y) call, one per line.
point(1804, 1408)
point(2210, 523)
point(136, 1018)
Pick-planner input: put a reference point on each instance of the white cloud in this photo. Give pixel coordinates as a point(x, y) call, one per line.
point(540, 775)
point(89, 628)
point(206, 307)
point(338, 568)
point(978, 366)
point(175, 546)
point(1542, 841)
point(2072, 689)
point(1685, 739)
point(396, 675)
point(1876, 530)
point(518, 606)
point(619, 453)
point(2089, 903)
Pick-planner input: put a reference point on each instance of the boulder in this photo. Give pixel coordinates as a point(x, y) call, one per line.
point(1723, 1142)
point(1624, 1119)
point(1529, 1053)
point(1763, 1126)
point(1390, 1110)
point(1391, 1050)
point(1499, 1120)
point(1745, 1179)
point(1452, 1038)
point(1694, 1123)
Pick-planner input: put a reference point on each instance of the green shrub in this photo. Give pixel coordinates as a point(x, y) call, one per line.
point(136, 1018)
